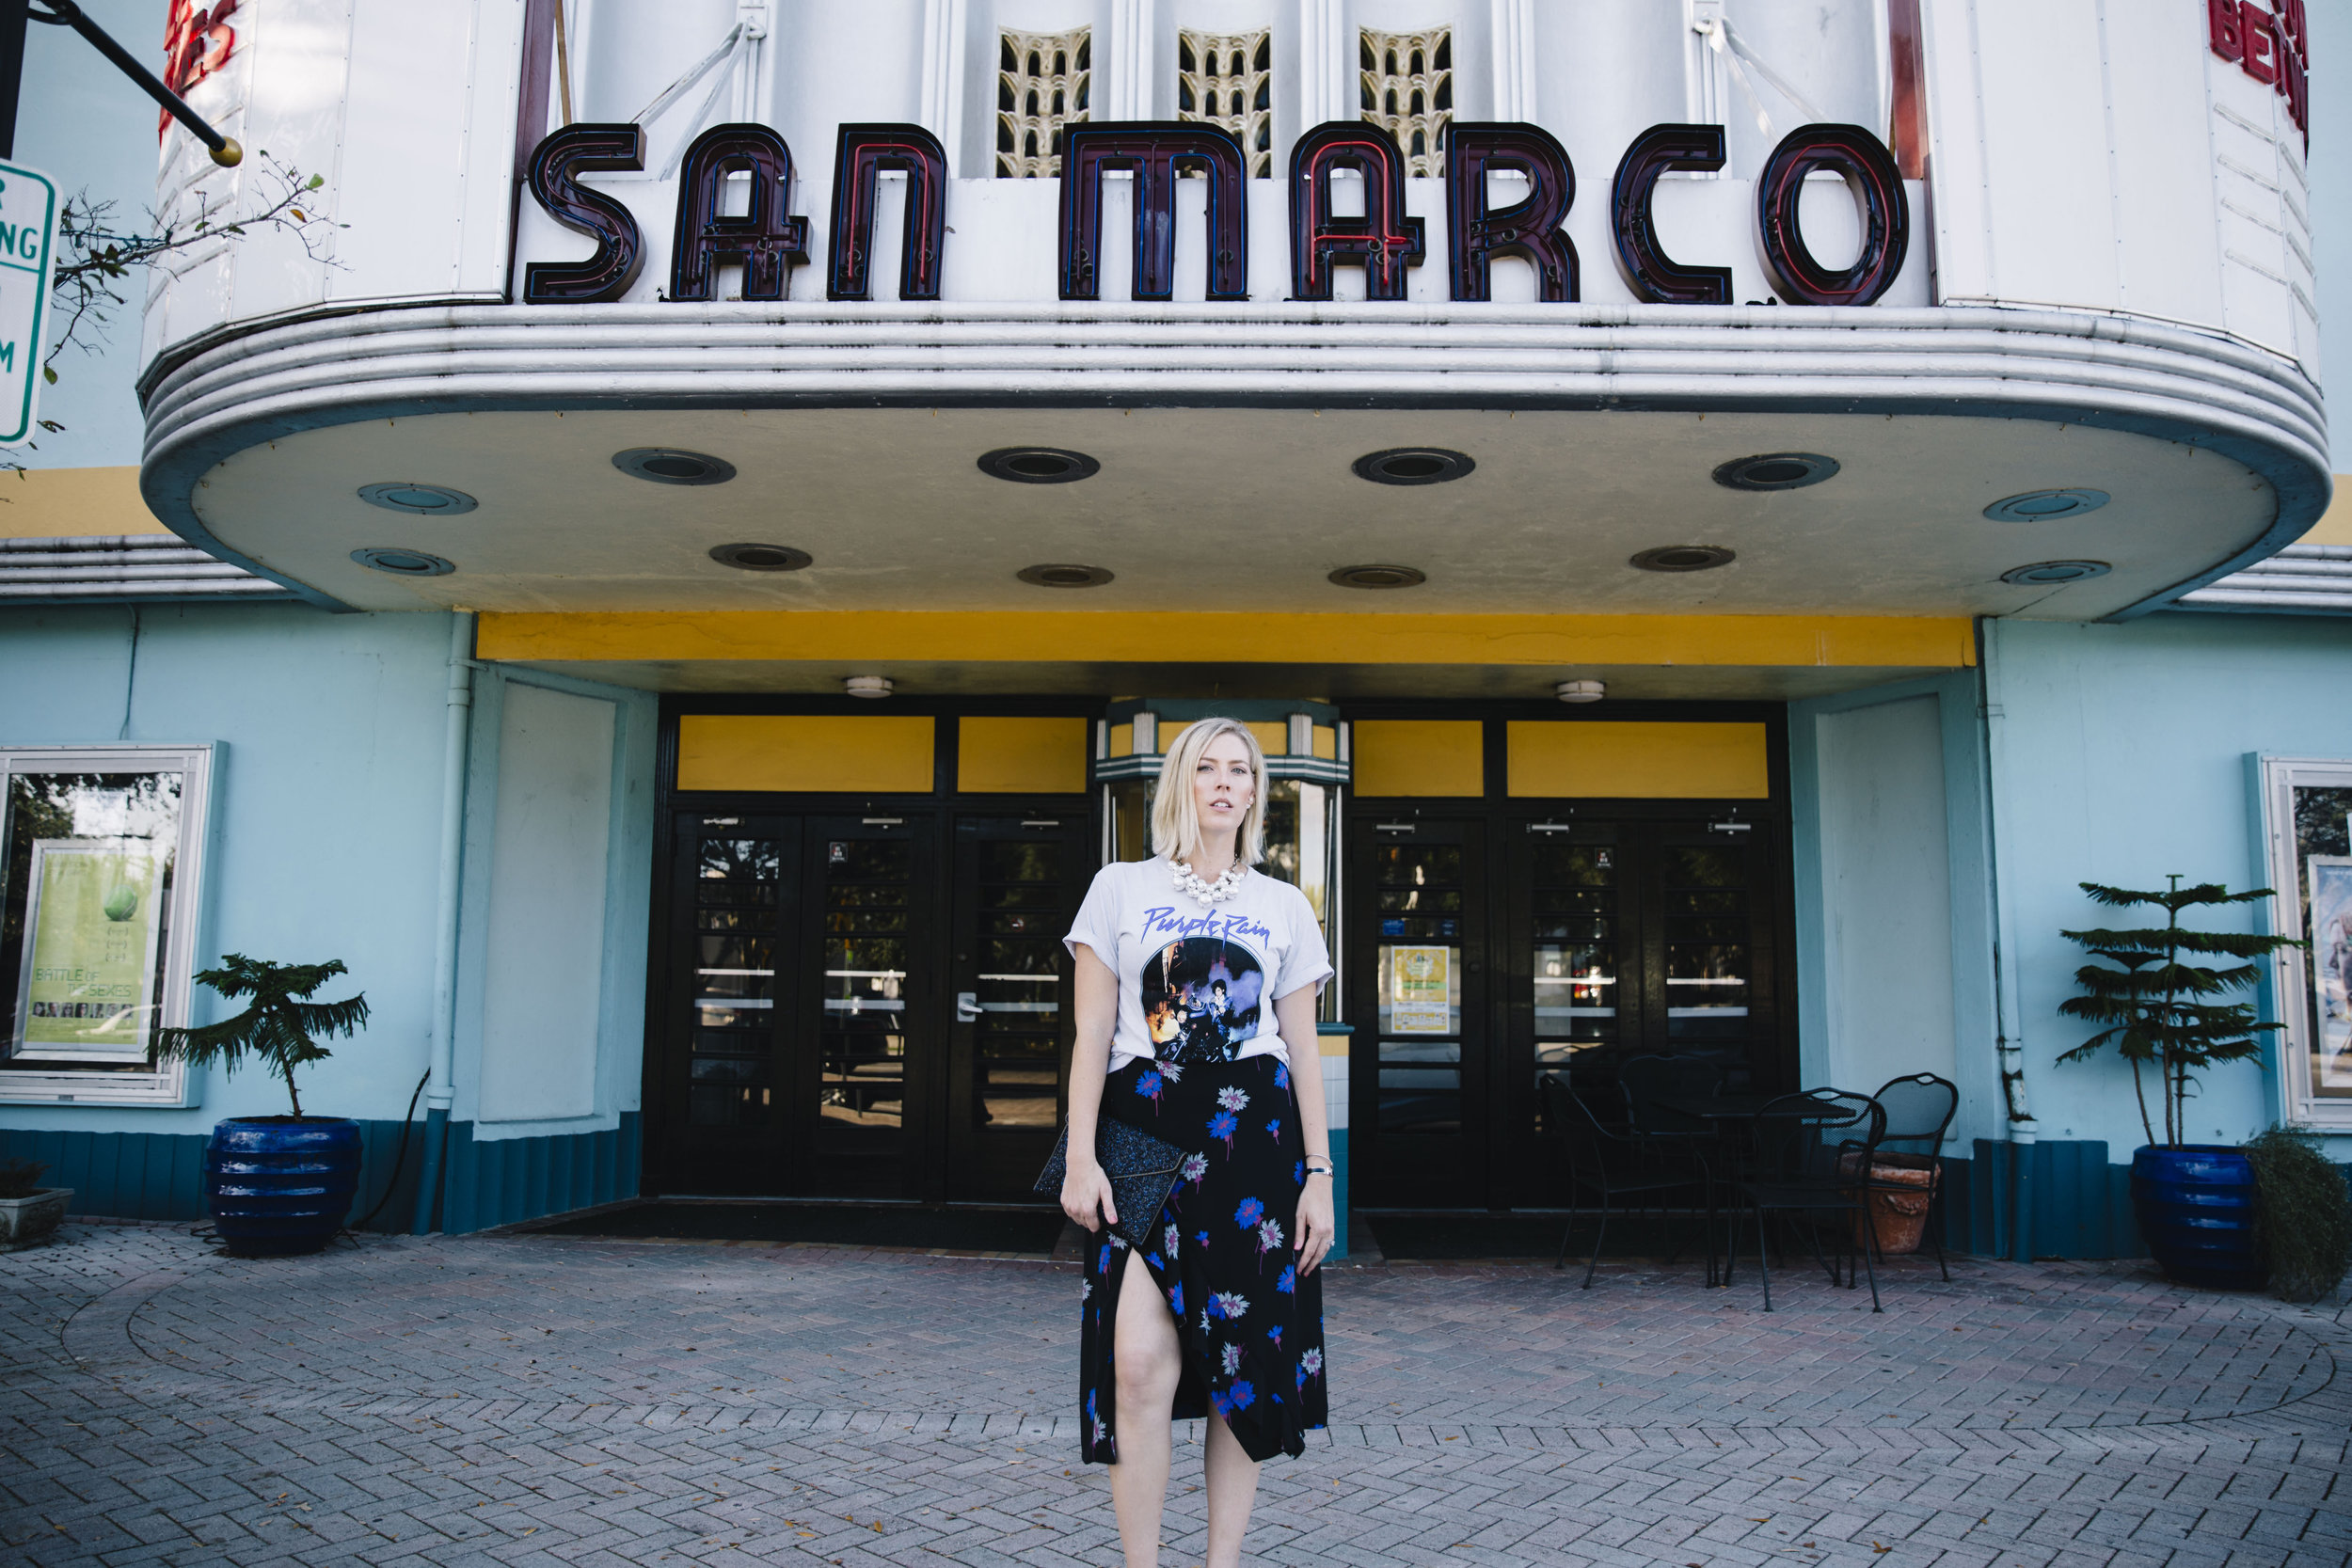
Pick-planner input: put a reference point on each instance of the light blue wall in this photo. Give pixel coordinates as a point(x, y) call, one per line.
point(327, 808)
point(2124, 759)
point(627, 905)
point(1852, 997)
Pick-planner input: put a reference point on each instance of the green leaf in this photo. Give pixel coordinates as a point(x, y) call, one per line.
point(48, 374)
point(316, 180)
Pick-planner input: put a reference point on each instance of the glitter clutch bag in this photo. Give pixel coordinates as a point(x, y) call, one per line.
point(1143, 1170)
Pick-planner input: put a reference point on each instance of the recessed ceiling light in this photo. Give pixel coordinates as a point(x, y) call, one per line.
point(872, 688)
point(423, 501)
point(760, 558)
point(1684, 558)
point(1380, 576)
point(1413, 466)
point(403, 563)
point(2046, 506)
point(1064, 574)
point(674, 466)
point(2046, 574)
point(1039, 465)
point(1581, 691)
point(1776, 470)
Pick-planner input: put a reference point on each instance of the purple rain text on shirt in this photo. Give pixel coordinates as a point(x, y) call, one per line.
point(1232, 927)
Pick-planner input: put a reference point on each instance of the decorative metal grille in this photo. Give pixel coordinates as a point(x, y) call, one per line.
point(1226, 79)
point(1408, 84)
point(1041, 83)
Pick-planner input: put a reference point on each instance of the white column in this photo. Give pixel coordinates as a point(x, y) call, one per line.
point(1326, 63)
point(1128, 62)
point(1514, 34)
point(943, 76)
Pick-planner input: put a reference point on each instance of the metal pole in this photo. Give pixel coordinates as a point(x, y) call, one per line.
point(65, 13)
point(12, 19)
point(440, 1059)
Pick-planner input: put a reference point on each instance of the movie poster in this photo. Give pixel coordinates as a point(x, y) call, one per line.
point(2332, 968)
point(1420, 990)
point(92, 924)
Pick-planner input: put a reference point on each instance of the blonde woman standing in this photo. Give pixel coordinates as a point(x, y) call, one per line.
point(1196, 980)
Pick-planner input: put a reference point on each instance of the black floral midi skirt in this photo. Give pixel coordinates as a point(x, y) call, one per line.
point(1249, 1326)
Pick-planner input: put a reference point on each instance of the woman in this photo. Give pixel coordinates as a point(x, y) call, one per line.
point(1223, 1317)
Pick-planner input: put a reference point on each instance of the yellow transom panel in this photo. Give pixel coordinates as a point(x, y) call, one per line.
point(1420, 756)
point(1021, 756)
point(1639, 761)
point(812, 753)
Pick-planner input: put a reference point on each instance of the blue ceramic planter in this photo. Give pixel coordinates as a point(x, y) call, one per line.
point(277, 1186)
point(2196, 1208)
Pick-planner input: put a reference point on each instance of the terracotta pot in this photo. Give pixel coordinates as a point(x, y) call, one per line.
point(1898, 1217)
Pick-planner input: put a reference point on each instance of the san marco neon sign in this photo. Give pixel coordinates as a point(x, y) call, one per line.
point(764, 240)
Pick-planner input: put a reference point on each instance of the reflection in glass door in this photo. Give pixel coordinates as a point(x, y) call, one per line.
point(871, 1026)
point(1018, 882)
point(1425, 1081)
point(1572, 928)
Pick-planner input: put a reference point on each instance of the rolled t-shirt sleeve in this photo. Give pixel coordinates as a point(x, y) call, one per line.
point(1097, 925)
point(1309, 961)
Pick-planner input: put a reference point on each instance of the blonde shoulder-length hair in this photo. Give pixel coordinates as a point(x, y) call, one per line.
point(1176, 820)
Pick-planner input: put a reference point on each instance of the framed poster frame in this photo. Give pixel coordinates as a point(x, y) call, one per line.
point(2293, 978)
point(168, 1084)
point(47, 931)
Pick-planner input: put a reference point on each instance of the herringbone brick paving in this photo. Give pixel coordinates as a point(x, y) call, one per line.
point(539, 1400)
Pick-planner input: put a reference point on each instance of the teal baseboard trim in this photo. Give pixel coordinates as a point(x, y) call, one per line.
point(511, 1180)
point(1339, 1192)
point(159, 1175)
point(2079, 1201)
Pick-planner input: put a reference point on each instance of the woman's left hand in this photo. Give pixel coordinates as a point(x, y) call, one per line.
point(1315, 1223)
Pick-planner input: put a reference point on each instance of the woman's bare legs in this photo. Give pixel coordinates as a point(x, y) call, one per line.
point(1232, 1482)
point(1146, 1363)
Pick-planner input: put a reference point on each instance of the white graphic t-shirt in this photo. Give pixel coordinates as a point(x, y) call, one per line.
point(1198, 984)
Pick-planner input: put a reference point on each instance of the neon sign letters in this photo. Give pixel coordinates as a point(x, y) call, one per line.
point(767, 240)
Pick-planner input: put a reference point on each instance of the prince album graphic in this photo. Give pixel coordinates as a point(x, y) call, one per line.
point(1201, 999)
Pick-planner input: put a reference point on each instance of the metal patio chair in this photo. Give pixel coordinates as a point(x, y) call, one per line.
point(1645, 1081)
point(1920, 1109)
point(1799, 1143)
point(1616, 1165)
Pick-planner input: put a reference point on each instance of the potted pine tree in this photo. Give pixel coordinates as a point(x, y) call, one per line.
point(276, 1185)
point(2195, 1203)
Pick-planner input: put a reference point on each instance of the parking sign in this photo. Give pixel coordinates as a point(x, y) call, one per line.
point(29, 237)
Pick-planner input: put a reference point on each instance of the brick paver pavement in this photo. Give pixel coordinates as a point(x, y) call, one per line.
point(542, 1400)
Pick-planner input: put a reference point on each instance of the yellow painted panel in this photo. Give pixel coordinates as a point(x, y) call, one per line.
point(1638, 761)
point(1273, 738)
point(1326, 743)
point(816, 753)
point(1061, 637)
point(1021, 756)
point(73, 503)
point(1420, 756)
point(2335, 524)
point(1122, 740)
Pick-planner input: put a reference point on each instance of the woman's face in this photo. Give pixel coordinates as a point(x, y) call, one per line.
point(1223, 785)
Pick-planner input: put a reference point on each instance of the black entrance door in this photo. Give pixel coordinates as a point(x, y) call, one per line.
point(1487, 953)
point(1018, 881)
point(863, 1006)
point(1421, 1073)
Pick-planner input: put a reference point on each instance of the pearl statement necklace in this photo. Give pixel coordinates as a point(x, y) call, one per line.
point(1206, 893)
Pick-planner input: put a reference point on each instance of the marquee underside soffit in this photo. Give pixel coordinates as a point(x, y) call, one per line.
point(1232, 509)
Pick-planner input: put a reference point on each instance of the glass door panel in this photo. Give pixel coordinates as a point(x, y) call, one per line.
point(718, 1087)
point(869, 1018)
point(1018, 883)
point(1574, 964)
point(1421, 1118)
point(1706, 923)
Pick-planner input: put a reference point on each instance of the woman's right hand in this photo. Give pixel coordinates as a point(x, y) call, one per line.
point(1086, 1198)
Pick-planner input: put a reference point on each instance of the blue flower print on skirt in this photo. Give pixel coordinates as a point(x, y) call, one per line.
point(1249, 1325)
